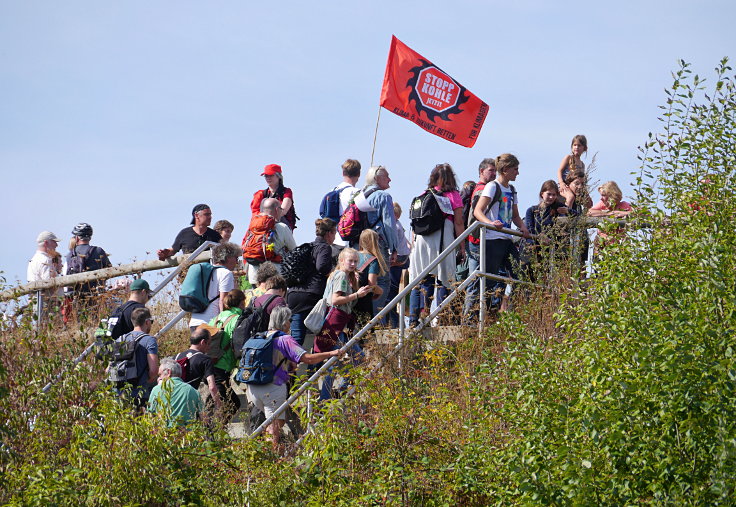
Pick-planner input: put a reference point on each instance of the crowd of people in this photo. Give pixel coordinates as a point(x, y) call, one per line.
point(354, 265)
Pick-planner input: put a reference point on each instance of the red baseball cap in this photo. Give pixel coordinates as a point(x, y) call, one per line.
point(271, 169)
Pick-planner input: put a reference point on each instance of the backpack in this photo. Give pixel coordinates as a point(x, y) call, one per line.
point(123, 366)
point(297, 265)
point(476, 197)
point(116, 324)
point(185, 365)
point(330, 205)
point(291, 217)
point(353, 221)
point(425, 213)
point(259, 242)
point(193, 295)
point(216, 351)
point(256, 364)
point(253, 320)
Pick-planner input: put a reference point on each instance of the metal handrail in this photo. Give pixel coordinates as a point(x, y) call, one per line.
point(384, 311)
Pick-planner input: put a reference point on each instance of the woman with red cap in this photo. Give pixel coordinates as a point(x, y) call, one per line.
point(277, 190)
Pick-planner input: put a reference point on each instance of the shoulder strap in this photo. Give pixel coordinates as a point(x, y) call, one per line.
point(269, 301)
point(212, 275)
point(367, 263)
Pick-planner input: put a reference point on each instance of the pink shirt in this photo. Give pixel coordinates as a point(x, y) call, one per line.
point(603, 206)
point(455, 200)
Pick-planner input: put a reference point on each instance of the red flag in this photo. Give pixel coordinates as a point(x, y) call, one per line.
point(416, 89)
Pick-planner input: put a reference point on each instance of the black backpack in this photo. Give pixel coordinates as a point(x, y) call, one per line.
point(297, 265)
point(116, 324)
point(251, 322)
point(425, 213)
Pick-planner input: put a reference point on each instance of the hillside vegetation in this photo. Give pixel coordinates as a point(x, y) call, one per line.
point(619, 390)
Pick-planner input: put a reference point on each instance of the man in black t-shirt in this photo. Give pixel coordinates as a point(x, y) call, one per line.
point(121, 322)
point(200, 364)
point(190, 238)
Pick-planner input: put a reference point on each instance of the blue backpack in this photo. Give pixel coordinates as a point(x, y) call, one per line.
point(330, 205)
point(193, 295)
point(256, 364)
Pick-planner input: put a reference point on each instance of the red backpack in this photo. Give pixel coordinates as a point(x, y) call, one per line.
point(259, 242)
point(353, 221)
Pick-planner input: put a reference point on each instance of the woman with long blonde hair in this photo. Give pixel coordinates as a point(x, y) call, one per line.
point(341, 294)
point(371, 265)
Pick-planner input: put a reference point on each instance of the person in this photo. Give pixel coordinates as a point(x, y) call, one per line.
point(201, 367)
point(191, 238)
point(350, 176)
point(225, 229)
point(578, 201)
point(539, 220)
point(234, 304)
point(379, 207)
point(276, 189)
point(281, 242)
point(397, 268)
point(371, 265)
point(146, 359)
point(342, 291)
point(42, 266)
point(265, 271)
point(571, 162)
point(610, 205)
point(140, 294)
point(302, 298)
point(498, 207)
point(486, 173)
point(275, 286)
point(225, 257)
point(427, 248)
point(85, 257)
point(173, 398)
point(269, 397)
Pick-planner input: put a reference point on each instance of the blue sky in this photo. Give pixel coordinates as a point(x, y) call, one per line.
point(126, 114)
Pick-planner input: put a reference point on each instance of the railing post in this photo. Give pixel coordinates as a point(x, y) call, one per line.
point(402, 328)
point(482, 289)
point(39, 309)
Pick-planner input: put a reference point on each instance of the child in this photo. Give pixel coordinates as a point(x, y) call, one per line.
point(498, 207)
point(572, 162)
point(341, 294)
point(610, 205)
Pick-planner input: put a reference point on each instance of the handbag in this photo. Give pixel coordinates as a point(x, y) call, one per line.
point(316, 318)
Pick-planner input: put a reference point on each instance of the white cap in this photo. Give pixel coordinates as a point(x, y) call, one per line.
point(46, 236)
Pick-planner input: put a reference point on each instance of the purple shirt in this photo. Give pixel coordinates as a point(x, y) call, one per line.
point(285, 347)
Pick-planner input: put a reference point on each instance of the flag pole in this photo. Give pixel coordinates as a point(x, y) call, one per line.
point(375, 135)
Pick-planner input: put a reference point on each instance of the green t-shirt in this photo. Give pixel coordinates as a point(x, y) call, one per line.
point(227, 362)
point(177, 397)
point(338, 282)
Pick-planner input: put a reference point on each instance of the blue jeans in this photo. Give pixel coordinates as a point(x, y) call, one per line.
point(392, 319)
point(356, 354)
point(421, 297)
point(471, 292)
point(298, 329)
point(384, 282)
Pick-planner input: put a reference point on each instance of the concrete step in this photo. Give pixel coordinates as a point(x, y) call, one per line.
point(439, 334)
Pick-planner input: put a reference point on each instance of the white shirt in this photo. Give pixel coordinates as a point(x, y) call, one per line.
point(502, 210)
point(40, 267)
point(222, 281)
